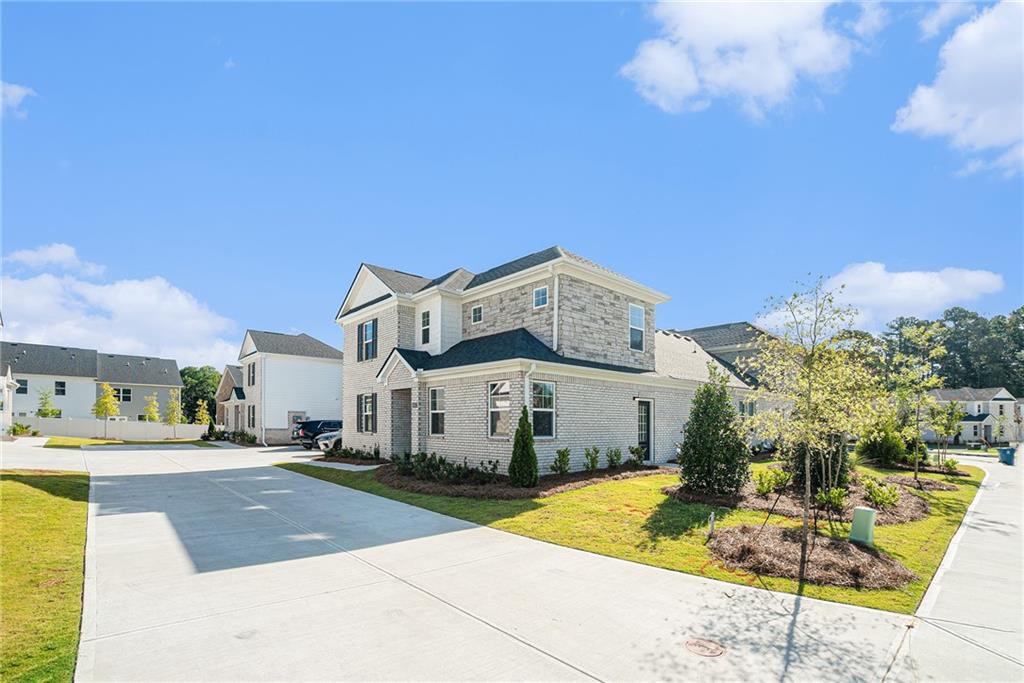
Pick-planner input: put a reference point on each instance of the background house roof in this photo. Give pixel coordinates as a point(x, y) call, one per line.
point(115, 368)
point(967, 394)
point(43, 359)
point(679, 356)
point(293, 345)
point(235, 371)
point(980, 417)
point(726, 334)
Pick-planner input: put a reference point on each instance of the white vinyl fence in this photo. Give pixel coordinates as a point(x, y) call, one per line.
point(90, 428)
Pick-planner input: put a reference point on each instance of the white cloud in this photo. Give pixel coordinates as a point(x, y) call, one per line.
point(756, 53)
point(11, 96)
point(944, 14)
point(977, 98)
point(146, 317)
point(873, 18)
point(59, 255)
point(881, 295)
point(230, 63)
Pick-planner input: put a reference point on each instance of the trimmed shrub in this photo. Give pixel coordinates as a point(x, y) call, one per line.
point(951, 464)
point(522, 469)
point(771, 480)
point(433, 467)
point(561, 464)
point(881, 444)
point(916, 448)
point(714, 456)
point(830, 468)
point(833, 499)
point(591, 458)
point(18, 429)
point(881, 495)
point(614, 456)
point(636, 455)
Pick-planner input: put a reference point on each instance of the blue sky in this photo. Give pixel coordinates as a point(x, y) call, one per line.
point(176, 173)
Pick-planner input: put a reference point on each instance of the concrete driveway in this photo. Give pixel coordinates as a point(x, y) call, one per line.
point(212, 565)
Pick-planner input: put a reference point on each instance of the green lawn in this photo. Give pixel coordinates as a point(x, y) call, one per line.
point(78, 442)
point(633, 520)
point(42, 548)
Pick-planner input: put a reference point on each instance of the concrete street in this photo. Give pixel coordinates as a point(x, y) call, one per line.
point(206, 564)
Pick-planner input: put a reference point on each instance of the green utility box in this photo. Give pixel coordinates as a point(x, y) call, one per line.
point(863, 528)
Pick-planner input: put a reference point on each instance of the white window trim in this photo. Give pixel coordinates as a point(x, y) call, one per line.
point(498, 410)
point(473, 310)
point(425, 327)
point(366, 413)
point(554, 428)
point(643, 330)
point(369, 342)
point(430, 409)
point(545, 304)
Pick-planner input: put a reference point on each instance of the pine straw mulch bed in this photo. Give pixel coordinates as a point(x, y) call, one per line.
point(910, 508)
point(351, 461)
point(922, 483)
point(931, 469)
point(501, 489)
point(775, 551)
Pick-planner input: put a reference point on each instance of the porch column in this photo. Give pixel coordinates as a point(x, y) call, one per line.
point(414, 423)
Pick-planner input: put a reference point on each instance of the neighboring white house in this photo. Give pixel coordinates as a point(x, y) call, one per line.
point(282, 379)
point(990, 414)
point(73, 377)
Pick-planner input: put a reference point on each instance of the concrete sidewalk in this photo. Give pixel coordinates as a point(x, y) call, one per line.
point(969, 625)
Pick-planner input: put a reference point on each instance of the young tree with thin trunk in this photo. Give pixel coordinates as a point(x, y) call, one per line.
point(816, 387)
point(912, 374)
point(172, 414)
point(106, 406)
point(152, 410)
point(202, 414)
point(46, 407)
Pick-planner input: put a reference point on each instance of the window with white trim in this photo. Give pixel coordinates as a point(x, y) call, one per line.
point(476, 314)
point(437, 411)
point(22, 386)
point(252, 417)
point(60, 388)
point(123, 394)
point(636, 327)
point(367, 413)
point(366, 340)
point(498, 395)
point(540, 297)
point(542, 399)
point(425, 327)
point(252, 373)
point(975, 430)
point(1001, 409)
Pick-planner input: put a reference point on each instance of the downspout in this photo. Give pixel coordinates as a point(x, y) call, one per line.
point(263, 405)
point(526, 385)
point(554, 332)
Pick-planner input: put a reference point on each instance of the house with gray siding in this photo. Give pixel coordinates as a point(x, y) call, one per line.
point(446, 364)
point(74, 377)
point(990, 414)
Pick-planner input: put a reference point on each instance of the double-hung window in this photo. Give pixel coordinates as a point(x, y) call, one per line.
point(497, 408)
point(60, 388)
point(252, 417)
point(22, 386)
point(543, 403)
point(437, 411)
point(636, 327)
point(425, 327)
point(252, 374)
point(123, 394)
point(476, 314)
point(540, 297)
point(366, 340)
point(366, 413)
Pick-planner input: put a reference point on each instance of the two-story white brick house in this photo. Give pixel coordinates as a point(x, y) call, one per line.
point(445, 364)
point(989, 418)
point(281, 379)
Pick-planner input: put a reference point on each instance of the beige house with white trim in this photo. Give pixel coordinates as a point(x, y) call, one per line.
point(445, 364)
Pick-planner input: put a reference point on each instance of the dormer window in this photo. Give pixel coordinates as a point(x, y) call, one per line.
point(425, 327)
point(636, 327)
point(540, 297)
point(476, 314)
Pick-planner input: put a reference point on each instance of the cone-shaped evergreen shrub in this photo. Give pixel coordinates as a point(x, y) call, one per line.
point(522, 470)
point(713, 456)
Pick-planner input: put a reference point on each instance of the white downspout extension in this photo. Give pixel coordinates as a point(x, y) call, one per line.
point(526, 385)
point(554, 332)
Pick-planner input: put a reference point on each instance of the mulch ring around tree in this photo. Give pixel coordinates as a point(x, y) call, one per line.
point(932, 469)
point(350, 461)
point(791, 504)
point(775, 551)
point(921, 484)
point(503, 490)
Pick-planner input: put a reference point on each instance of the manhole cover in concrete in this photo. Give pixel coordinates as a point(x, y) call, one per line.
point(705, 647)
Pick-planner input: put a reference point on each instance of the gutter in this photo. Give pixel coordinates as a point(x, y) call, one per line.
point(554, 332)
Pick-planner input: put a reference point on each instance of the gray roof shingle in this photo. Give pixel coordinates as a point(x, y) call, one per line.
point(512, 267)
point(43, 359)
point(399, 282)
point(293, 345)
point(727, 334)
point(513, 344)
point(967, 394)
point(236, 374)
point(115, 368)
